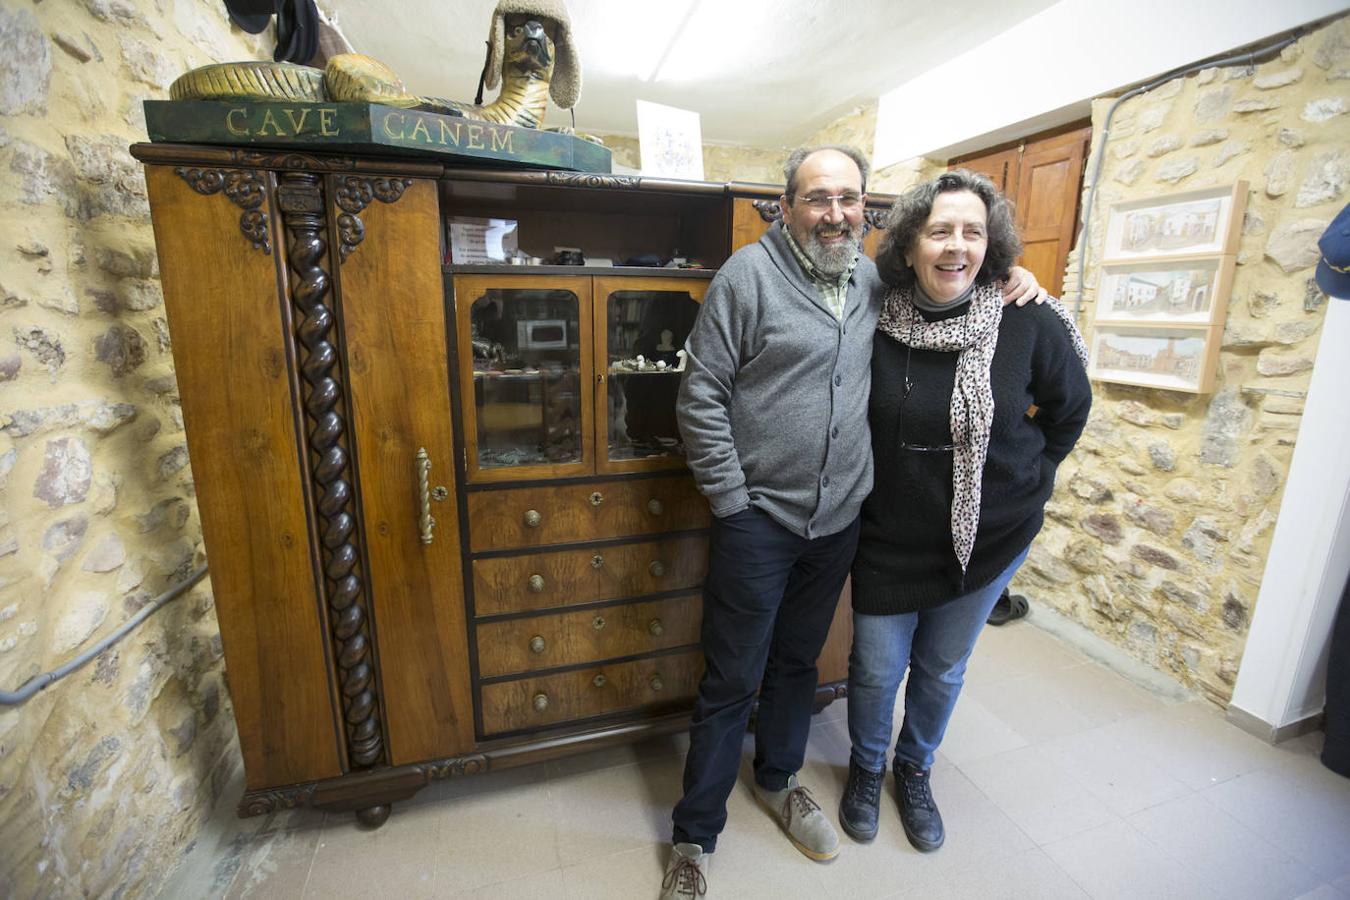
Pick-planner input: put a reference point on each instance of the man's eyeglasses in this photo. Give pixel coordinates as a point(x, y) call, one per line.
point(822, 202)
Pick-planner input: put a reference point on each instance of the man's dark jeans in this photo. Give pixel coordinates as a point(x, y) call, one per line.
point(768, 602)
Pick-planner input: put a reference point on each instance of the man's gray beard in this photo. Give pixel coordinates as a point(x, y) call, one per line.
point(831, 260)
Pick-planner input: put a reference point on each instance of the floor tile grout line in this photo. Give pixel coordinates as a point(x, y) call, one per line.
point(1190, 865)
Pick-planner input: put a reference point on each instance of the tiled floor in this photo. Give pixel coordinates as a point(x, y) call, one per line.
point(1058, 778)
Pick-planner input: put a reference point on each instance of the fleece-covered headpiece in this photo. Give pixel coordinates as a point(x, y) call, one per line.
point(565, 85)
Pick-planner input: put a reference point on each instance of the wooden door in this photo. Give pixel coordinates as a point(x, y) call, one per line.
point(1001, 166)
point(393, 315)
point(635, 428)
point(234, 366)
point(514, 401)
point(1043, 178)
point(1049, 184)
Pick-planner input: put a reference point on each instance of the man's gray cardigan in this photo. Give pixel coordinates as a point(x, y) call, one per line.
point(773, 403)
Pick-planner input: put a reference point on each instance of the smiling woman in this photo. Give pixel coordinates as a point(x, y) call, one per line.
point(962, 477)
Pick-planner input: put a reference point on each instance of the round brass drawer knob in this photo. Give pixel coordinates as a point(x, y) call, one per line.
point(598, 622)
point(655, 507)
point(597, 561)
point(657, 568)
point(656, 628)
point(532, 518)
point(536, 584)
point(599, 680)
point(537, 644)
point(540, 702)
point(597, 498)
point(656, 683)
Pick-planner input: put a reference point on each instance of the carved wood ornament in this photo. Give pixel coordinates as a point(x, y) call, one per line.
point(300, 198)
point(265, 159)
point(769, 210)
point(591, 180)
point(396, 781)
point(260, 803)
point(352, 196)
point(246, 190)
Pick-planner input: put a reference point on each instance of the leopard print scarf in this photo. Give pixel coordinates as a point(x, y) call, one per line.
point(974, 334)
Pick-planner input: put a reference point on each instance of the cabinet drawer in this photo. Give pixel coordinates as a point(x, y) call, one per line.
point(543, 642)
point(532, 517)
point(566, 577)
point(594, 691)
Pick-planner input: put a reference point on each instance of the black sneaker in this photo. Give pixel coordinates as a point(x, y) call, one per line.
point(861, 804)
point(918, 813)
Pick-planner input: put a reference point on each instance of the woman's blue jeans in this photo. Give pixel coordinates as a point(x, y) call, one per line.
point(935, 645)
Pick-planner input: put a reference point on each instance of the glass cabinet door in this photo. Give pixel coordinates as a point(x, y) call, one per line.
point(525, 363)
point(641, 328)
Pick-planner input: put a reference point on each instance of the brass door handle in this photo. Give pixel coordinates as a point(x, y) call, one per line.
point(657, 568)
point(425, 521)
point(656, 628)
point(532, 518)
point(536, 584)
point(655, 507)
point(655, 683)
point(540, 702)
point(537, 644)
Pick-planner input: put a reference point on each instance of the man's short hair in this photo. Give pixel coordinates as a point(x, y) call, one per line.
point(797, 157)
point(914, 206)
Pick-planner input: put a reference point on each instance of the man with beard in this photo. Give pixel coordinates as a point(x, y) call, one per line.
point(773, 412)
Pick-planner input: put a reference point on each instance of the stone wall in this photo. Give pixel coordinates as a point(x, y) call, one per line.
point(1158, 531)
point(105, 776)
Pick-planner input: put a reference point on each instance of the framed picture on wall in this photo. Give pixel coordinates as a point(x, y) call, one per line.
point(1179, 358)
point(1166, 292)
point(1199, 222)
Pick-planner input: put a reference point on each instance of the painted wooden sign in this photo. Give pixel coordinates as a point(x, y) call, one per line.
point(367, 127)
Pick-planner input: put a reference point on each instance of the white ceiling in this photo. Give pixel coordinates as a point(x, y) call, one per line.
point(759, 72)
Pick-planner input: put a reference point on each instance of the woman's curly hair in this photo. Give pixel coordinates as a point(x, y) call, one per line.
point(911, 212)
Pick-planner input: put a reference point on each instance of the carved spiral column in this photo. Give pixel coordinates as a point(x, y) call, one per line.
point(300, 198)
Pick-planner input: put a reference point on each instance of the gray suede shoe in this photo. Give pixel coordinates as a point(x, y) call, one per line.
point(686, 873)
point(801, 818)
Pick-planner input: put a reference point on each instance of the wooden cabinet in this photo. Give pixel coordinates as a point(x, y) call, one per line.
point(446, 509)
point(1042, 176)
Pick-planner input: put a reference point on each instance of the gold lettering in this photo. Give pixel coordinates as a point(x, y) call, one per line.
point(326, 122)
point(389, 132)
point(422, 127)
point(269, 120)
point(299, 126)
point(501, 140)
point(476, 137)
point(448, 137)
point(239, 130)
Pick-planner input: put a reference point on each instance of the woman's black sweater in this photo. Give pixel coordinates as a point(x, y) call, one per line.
point(906, 561)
